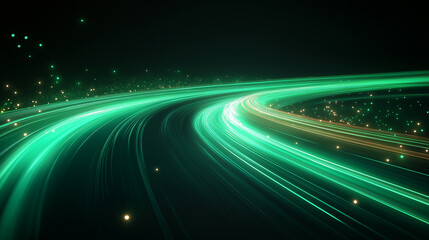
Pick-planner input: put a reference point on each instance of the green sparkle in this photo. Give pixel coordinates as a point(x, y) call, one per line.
point(12, 35)
point(58, 78)
point(25, 37)
point(40, 44)
point(114, 71)
point(19, 45)
point(402, 156)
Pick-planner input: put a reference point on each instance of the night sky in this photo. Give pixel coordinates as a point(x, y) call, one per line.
point(202, 144)
point(254, 39)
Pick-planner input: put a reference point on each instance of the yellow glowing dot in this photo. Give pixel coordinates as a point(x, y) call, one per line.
point(355, 201)
point(427, 150)
point(156, 169)
point(418, 124)
point(40, 111)
point(9, 121)
point(15, 124)
point(338, 147)
point(7, 85)
point(126, 217)
point(15, 92)
point(39, 82)
point(268, 136)
point(296, 143)
point(25, 134)
point(400, 146)
point(387, 160)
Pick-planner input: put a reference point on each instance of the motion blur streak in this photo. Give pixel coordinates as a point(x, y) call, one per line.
point(238, 160)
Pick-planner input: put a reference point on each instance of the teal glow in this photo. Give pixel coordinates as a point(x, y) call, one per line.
point(264, 160)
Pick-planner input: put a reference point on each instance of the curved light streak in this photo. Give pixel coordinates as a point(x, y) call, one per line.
point(228, 132)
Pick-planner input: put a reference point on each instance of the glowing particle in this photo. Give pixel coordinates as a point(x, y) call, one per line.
point(268, 136)
point(7, 85)
point(114, 71)
point(29, 56)
point(402, 156)
point(25, 37)
point(338, 147)
point(387, 160)
point(400, 146)
point(40, 111)
point(126, 217)
point(12, 35)
point(156, 169)
point(15, 124)
point(82, 20)
point(355, 201)
point(25, 134)
point(52, 66)
point(40, 44)
point(19, 46)
point(8, 120)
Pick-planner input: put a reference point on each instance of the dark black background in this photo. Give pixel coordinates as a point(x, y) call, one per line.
point(258, 39)
point(254, 39)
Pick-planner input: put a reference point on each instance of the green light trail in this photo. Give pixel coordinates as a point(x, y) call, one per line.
point(227, 139)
